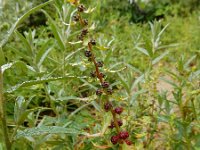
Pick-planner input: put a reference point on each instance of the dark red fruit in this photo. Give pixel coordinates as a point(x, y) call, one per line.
point(107, 106)
point(85, 22)
point(93, 74)
point(120, 123)
point(80, 37)
point(100, 63)
point(123, 135)
point(102, 75)
point(93, 42)
point(128, 142)
point(109, 91)
point(105, 84)
point(114, 139)
point(76, 18)
point(112, 125)
point(84, 32)
point(99, 92)
point(81, 8)
point(118, 110)
point(88, 53)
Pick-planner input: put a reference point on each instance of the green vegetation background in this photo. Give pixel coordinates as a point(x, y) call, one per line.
point(70, 98)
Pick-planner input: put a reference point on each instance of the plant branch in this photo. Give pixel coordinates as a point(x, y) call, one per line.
point(3, 114)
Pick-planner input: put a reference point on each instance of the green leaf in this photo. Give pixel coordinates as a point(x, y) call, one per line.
point(9, 66)
point(43, 52)
point(19, 53)
point(25, 42)
point(96, 105)
point(103, 48)
point(2, 57)
point(124, 82)
point(36, 131)
point(40, 81)
point(143, 50)
point(157, 59)
point(138, 80)
point(55, 31)
point(20, 20)
point(89, 10)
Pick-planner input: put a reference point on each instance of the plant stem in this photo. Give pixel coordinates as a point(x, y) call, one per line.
point(3, 114)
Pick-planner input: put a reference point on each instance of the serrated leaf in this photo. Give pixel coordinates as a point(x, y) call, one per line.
point(40, 81)
point(36, 131)
point(9, 65)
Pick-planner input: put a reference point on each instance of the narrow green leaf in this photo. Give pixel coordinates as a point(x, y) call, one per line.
point(2, 57)
point(9, 66)
point(43, 52)
point(19, 53)
point(138, 80)
point(20, 20)
point(35, 82)
point(36, 131)
point(124, 82)
point(157, 59)
point(25, 42)
point(55, 31)
point(143, 50)
point(189, 61)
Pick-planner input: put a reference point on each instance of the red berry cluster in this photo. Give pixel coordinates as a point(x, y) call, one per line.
point(104, 85)
point(120, 137)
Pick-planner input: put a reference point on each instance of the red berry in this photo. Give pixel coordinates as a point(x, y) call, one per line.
point(80, 37)
point(100, 64)
point(109, 91)
point(81, 8)
point(102, 75)
point(114, 139)
point(128, 142)
point(105, 84)
point(107, 106)
point(88, 53)
point(93, 42)
point(93, 74)
point(120, 123)
point(84, 32)
point(118, 110)
point(76, 18)
point(112, 125)
point(123, 135)
point(85, 22)
point(99, 92)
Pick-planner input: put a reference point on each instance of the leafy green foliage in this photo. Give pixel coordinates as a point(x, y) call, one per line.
point(154, 69)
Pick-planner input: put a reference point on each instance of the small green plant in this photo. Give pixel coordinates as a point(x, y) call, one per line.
point(105, 90)
point(64, 85)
